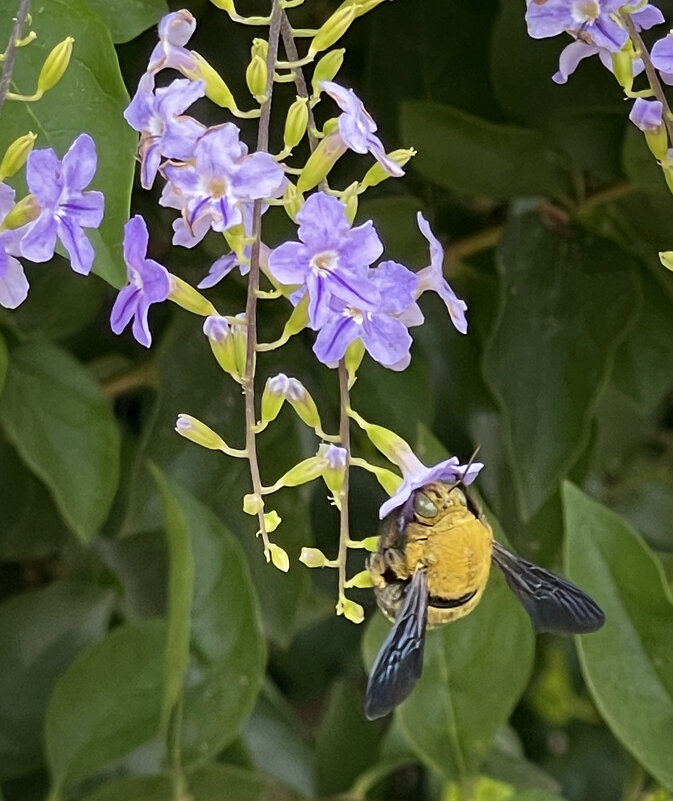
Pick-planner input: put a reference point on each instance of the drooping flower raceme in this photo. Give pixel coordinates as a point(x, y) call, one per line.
point(149, 282)
point(211, 189)
point(65, 208)
point(13, 281)
point(158, 116)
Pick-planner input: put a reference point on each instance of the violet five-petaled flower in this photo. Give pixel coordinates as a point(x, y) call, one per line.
point(212, 189)
point(416, 475)
point(357, 129)
point(149, 282)
point(13, 281)
point(647, 114)
point(164, 130)
point(330, 261)
point(65, 208)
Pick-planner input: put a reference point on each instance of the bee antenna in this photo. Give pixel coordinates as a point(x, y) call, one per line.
point(469, 464)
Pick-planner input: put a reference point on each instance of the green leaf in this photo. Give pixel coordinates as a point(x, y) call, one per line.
point(475, 671)
point(41, 633)
point(107, 703)
point(628, 664)
point(180, 593)
point(63, 427)
point(127, 19)
point(566, 302)
point(395, 221)
point(471, 156)
point(90, 97)
point(4, 362)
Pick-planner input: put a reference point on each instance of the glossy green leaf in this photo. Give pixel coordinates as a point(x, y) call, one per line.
point(628, 664)
point(471, 156)
point(475, 671)
point(566, 302)
point(89, 98)
point(127, 19)
point(41, 632)
point(107, 703)
point(180, 594)
point(63, 427)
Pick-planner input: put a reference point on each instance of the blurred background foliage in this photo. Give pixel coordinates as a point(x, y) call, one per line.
point(147, 651)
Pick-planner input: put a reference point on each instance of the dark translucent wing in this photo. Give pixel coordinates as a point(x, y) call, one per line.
point(552, 603)
point(399, 663)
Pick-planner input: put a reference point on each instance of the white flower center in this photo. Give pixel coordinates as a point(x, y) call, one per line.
point(217, 187)
point(586, 11)
point(328, 261)
point(357, 315)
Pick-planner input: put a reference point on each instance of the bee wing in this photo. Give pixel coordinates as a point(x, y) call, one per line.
point(399, 663)
point(553, 604)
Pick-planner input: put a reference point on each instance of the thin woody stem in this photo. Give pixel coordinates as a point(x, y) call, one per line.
point(345, 437)
point(299, 80)
point(253, 278)
point(10, 52)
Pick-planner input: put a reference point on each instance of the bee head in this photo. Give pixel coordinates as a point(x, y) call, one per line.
point(434, 500)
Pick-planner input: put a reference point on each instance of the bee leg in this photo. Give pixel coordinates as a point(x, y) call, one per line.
point(377, 567)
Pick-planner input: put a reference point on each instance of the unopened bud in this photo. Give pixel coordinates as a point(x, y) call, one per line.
point(292, 201)
point(185, 296)
point(353, 359)
point(361, 580)
point(273, 397)
point(363, 6)
point(307, 470)
point(312, 557)
point(225, 345)
point(622, 67)
point(350, 198)
point(16, 155)
point(279, 557)
point(55, 65)
point(255, 76)
point(334, 474)
point(260, 47)
point(378, 172)
point(194, 430)
point(216, 89)
point(326, 69)
point(252, 504)
point(657, 141)
point(321, 161)
point(332, 29)
point(296, 122)
point(237, 240)
point(225, 5)
point(302, 403)
point(25, 211)
point(666, 258)
point(350, 610)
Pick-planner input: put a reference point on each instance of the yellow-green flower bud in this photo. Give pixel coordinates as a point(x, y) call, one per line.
point(312, 557)
point(350, 610)
point(296, 122)
point(350, 198)
point(252, 504)
point(194, 430)
point(622, 66)
point(216, 89)
point(25, 211)
point(391, 445)
point(326, 69)
point(657, 141)
point(272, 520)
point(331, 126)
point(666, 166)
point(225, 5)
point(292, 201)
point(55, 65)
point(302, 403)
point(307, 470)
point(298, 320)
point(237, 241)
point(371, 544)
point(16, 155)
point(279, 557)
point(353, 359)
point(260, 47)
point(255, 76)
point(334, 473)
point(185, 296)
point(666, 258)
point(321, 161)
point(332, 29)
point(361, 580)
point(387, 479)
point(377, 173)
point(225, 344)
point(363, 6)
point(273, 397)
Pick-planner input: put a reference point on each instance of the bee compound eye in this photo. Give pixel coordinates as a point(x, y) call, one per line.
point(424, 506)
point(459, 496)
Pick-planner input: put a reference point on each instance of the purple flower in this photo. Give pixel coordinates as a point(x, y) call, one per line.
point(416, 475)
point(647, 114)
point(175, 30)
point(212, 188)
point(381, 330)
point(589, 20)
point(149, 282)
point(64, 207)
point(163, 131)
point(13, 281)
point(662, 58)
point(357, 128)
point(331, 261)
point(432, 278)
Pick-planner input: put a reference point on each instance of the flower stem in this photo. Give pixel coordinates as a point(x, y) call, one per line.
point(10, 52)
point(253, 278)
point(650, 71)
point(299, 80)
point(345, 437)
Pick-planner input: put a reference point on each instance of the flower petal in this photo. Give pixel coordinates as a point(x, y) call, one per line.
point(79, 248)
point(40, 240)
point(13, 283)
point(333, 339)
point(80, 162)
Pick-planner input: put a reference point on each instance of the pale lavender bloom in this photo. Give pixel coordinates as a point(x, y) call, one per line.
point(357, 128)
point(647, 114)
point(336, 457)
point(589, 20)
point(64, 207)
point(332, 259)
point(13, 281)
point(382, 332)
point(662, 58)
point(164, 131)
point(175, 30)
point(149, 282)
point(212, 189)
point(416, 476)
point(432, 278)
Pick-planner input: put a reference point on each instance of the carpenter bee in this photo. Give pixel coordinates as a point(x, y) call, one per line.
point(431, 568)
